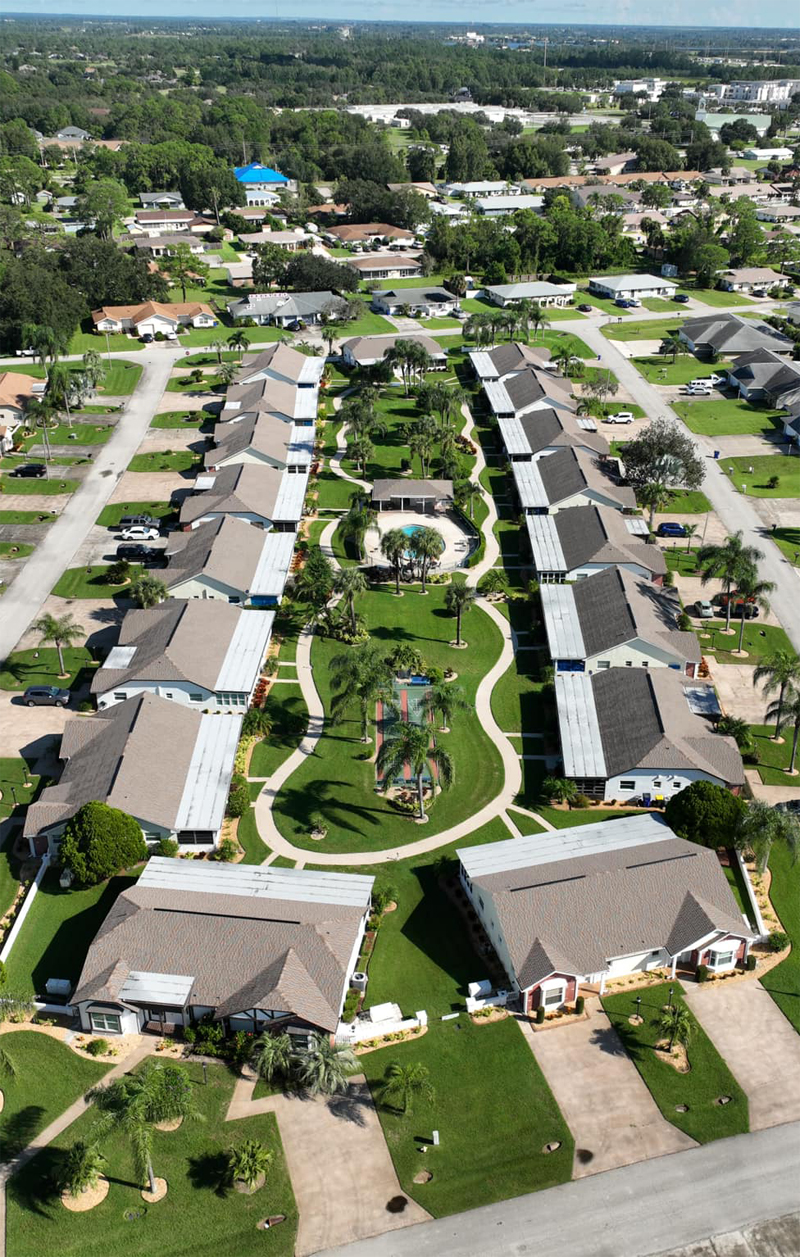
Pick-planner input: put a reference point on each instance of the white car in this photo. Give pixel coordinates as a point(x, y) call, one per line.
point(695, 390)
point(622, 416)
point(139, 532)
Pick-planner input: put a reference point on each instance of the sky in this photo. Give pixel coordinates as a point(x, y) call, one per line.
point(679, 13)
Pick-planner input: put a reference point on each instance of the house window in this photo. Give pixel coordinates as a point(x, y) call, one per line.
point(231, 699)
point(554, 996)
point(194, 697)
point(627, 785)
point(603, 663)
point(120, 697)
point(721, 959)
point(109, 1022)
point(628, 663)
point(656, 785)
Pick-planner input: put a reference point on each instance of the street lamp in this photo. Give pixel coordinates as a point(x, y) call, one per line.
point(671, 989)
point(639, 1007)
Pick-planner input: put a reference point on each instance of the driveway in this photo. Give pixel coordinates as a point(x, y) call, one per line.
point(341, 1171)
point(29, 731)
point(608, 1108)
point(758, 1043)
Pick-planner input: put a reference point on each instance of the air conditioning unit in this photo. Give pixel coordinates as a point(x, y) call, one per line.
point(359, 980)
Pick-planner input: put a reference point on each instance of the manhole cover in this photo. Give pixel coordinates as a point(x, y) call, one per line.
point(133, 1215)
point(553, 1146)
point(396, 1205)
point(723, 1099)
point(681, 1108)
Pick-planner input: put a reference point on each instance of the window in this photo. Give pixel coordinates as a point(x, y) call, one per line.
point(627, 785)
point(721, 959)
point(645, 663)
point(194, 697)
point(234, 598)
point(109, 1022)
point(120, 697)
point(656, 785)
point(553, 996)
point(628, 663)
point(231, 699)
point(603, 663)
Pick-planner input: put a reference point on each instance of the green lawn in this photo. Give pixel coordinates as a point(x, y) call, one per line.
point(689, 502)
point(338, 780)
point(56, 933)
point(27, 517)
point(15, 550)
point(199, 1215)
point(660, 369)
point(183, 383)
point(730, 416)
point(110, 515)
point(786, 539)
point(774, 757)
point(49, 488)
point(719, 299)
point(371, 324)
point(14, 773)
point(255, 851)
point(118, 342)
point(29, 1105)
point(333, 493)
point(521, 702)
point(121, 378)
point(287, 710)
point(785, 467)
point(584, 816)
point(200, 336)
point(432, 281)
point(80, 433)
point(783, 982)
point(159, 460)
point(40, 667)
point(708, 1078)
point(183, 419)
point(760, 640)
point(91, 582)
point(646, 329)
point(658, 305)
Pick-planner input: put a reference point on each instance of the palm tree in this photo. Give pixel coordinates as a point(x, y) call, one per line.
point(761, 827)
point(467, 493)
point(361, 449)
point(272, 1056)
point(93, 367)
point(249, 1162)
point(62, 387)
point(148, 590)
point(426, 545)
point(241, 341)
point(357, 522)
point(61, 631)
point(780, 671)
point(403, 1082)
point(135, 1103)
point(410, 745)
point(690, 530)
point(315, 582)
point(562, 789)
point(421, 444)
point(459, 598)
point(494, 582)
point(394, 545)
point(41, 413)
point(360, 676)
point(325, 1067)
point(655, 497)
point(350, 582)
point(788, 706)
point(676, 1025)
point(730, 562)
point(227, 373)
point(219, 346)
point(539, 320)
point(754, 591)
point(734, 727)
point(446, 699)
point(673, 344)
point(82, 1168)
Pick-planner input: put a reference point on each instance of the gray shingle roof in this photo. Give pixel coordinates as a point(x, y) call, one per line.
point(548, 427)
point(590, 534)
point(384, 490)
point(731, 334)
point(238, 488)
point(571, 471)
point(225, 549)
point(614, 606)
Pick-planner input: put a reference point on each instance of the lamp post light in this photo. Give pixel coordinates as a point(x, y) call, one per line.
point(671, 989)
point(639, 1007)
point(205, 1074)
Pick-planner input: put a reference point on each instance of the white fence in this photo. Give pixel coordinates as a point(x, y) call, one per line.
point(365, 1028)
point(756, 917)
point(25, 909)
point(498, 1000)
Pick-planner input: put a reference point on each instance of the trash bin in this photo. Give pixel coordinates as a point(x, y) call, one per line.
point(716, 453)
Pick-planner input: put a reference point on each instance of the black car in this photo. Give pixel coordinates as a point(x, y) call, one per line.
point(35, 470)
point(586, 309)
point(134, 551)
point(680, 297)
point(45, 696)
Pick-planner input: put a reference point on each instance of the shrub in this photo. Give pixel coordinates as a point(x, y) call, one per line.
point(317, 824)
point(702, 973)
point(773, 482)
point(210, 1037)
point(750, 963)
point(669, 578)
point(579, 1005)
point(227, 851)
point(159, 336)
point(168, 847)
point(99, 841)
point(704, 813)
point(256, 723)
point(271, 666)
point(239, 797)
point(189, 1034)
point(117, 573)
point(98, 1047)
point(581, 800)
point(351, 1005)
point(684, 622)
point(777, 940)
point(540, 1014)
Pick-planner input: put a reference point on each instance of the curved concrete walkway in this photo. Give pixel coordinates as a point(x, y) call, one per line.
point(335, 460)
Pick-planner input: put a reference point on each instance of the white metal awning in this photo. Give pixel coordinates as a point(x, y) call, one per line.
point(548, 556)
point(579, 727)
point(530, 486)
point(564, 634)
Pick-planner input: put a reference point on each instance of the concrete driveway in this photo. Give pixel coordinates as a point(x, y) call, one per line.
point(758, 1043)
point(608, 1108)
point(30, 731)
point(341, 1171)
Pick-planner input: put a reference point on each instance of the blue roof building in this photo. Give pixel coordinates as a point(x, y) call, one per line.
point(257, 175)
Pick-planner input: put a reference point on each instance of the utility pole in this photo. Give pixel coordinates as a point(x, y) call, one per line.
point(545, 52)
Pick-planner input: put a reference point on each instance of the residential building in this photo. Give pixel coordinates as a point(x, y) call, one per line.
point(632, 287)
point(763, 92)
point(292, 240)
point(727, 334)
point(764, 376)
point(426, 496)
point(630, 733)
point(261, 183)
point(421, 302)
point(585, 905)
point(616, 620)
point(547, 430)
point(574, 543)
point(368, 233)
point(483, 188)
point(569, 477)
point(531, 389)
point(262, 496)
point(153, 316)
point(367, 351)
point(499, 206)
point(749, 279)
point(542, 293)
point(292, 403)
point(386, 265)
point(283, 364)
point(616, 163)
point(728, 176)
point(153, 222)
point(601, 194)
point(17, 391)
point(508, 359)
point(262, 439)
point(767, 154)
point(229, 560)
point(167, 765)
point(73, 133)
point(160, 246)
point(782, 214)
point(161, 200)
point(428, 190)
point(285, 308)
point(240, 274)
point(256, 948)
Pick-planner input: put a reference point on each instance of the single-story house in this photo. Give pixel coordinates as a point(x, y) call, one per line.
point(428, 190)
point(420, 301)
point(749, 279)
point(606, 196)
point(161, 200)
point(282, 308)
point(367, 351)
point(286, 365)
point(640, 732)
point(167, 765)
point(367, 233)
point(16, 392)
point(508, 359)
point(544, 294)
point(153, 316)
point(385, 265)
point(616, 620)
point(542, 432)
point(153, 222)
point(483, 188)
point(454, 211)
point(720, 176)
point(229, 560)
point(262, 496)
point(725, 333)
point(615, 164)
point(262, 439)
point(632, 287)
point(240, 274)
point(570, 477)
point(778, 213)
point(72, 133)
point(716, 121)
point(256, 948)
point(499, 206)
point(531, 389)
point(632, 223)
point(584, 905)
point(767, 154)
point(189, 652)
point(764, 376)
point(289, 402)
point(167, 243)
point(291, 240)
point(426, 496)
point(260, 183)
point(581, 540)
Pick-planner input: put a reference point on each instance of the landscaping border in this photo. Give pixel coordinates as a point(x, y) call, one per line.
point(27, 903)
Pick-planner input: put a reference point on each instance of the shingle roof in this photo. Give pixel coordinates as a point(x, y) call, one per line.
point(16, 389)
point(591, 534)
point(232, 552)
point(571, 471)
point(731, 334)
point(285, 444)
point(546, 427)
point(365, 231)
point(383, 490)
point(367, 349)
point(236, 489)
point(513, 356)
point(283, 362)
point(614, 606)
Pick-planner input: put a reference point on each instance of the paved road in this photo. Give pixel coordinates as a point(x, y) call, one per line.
point(736, 511)
point(651, 1207)
point(26, 595)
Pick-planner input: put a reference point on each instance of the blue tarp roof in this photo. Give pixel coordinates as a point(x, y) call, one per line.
point(256, 173)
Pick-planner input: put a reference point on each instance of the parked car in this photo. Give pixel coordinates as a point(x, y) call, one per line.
point(671, 529)
point(789, 805)
point(45, 696)
point(26, 353)
point(681, 297)
point(135, 552)
point(147, 338)
point(140, 532)
point(622, 416)
point(34, 470)
point(715, 379)
point(695, 390)
point(702, 608)
point(751, 609)
point(136, 521)
point(585, 309)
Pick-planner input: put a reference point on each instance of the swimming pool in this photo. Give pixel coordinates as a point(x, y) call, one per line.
point(411, 530)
